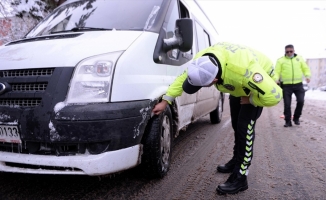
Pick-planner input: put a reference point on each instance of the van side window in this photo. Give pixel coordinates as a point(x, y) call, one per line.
point(203, 38)
point(175, 57)
point(207, 39)
point(184, 13)
point(170, 28)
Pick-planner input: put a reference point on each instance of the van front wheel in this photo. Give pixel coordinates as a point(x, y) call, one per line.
point(157, 145)
point(216, 115)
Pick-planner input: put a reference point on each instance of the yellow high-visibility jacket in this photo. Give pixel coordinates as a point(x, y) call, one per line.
point(242, 75)
point(290, 70)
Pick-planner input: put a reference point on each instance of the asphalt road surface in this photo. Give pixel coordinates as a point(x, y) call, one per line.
point(288, 163)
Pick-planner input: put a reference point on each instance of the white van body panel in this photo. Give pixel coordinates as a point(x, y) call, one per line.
point(138, 77)
point(92, 165)
point(64, 52)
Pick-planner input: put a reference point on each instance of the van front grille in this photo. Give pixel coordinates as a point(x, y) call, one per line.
point(27, 86)
point(31, 102)
point(27, 72)
point(21, 87)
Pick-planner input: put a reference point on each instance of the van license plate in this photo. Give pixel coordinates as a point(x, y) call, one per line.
point(9, 134)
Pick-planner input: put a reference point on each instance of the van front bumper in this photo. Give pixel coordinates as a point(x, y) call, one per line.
point(93, 165)
point(120, 124)
point(73, 129)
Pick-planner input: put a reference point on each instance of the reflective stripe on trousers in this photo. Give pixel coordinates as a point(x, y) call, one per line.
point(248, 153)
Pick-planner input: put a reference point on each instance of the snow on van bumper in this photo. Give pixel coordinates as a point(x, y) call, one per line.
point(105, 163)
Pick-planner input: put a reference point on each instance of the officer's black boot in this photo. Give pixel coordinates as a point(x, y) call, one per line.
point(296, 121)
point(235, 183)
point(287, 124)
point(228, 167)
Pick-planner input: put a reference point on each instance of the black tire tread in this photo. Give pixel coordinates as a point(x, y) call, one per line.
point(152, 145)
point(214, 115)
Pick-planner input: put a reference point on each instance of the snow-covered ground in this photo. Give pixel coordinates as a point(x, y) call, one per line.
point(316, 95)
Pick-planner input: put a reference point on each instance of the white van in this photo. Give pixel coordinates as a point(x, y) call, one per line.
point(76, 93)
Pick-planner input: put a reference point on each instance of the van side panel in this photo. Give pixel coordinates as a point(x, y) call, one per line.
point(136, 75)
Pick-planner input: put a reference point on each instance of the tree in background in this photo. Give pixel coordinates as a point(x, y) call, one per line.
point(36, 9)
point(17, 17)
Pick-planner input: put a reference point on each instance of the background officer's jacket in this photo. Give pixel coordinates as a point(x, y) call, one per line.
point(291, 70)
point(242, 75)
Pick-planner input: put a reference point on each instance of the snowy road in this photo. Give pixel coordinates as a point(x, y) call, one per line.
point(288, 163)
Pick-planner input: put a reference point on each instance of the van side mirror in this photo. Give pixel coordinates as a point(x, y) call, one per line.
point(183, 37)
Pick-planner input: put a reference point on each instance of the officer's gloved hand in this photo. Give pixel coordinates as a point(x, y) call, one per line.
point(160, 107)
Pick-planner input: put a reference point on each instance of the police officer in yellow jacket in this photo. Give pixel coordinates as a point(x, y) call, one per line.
point(232, 69)
point(289, 70)
point(235, 107)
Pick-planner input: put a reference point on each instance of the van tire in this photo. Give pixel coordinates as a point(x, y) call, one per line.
point(157, 143)
point(216, 115)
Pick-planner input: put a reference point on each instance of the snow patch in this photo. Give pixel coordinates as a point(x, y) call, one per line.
point(53, 133)
point(315, 95)
point(10, 123)
point(59, 106)
point(143, 113)
point(4, 117)
point(6, 9)
point(31, 6)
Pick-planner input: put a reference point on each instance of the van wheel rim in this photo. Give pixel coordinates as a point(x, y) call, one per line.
point(220, 108)
point(165, 141)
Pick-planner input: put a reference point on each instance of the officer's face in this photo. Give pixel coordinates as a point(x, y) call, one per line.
point(289, 52)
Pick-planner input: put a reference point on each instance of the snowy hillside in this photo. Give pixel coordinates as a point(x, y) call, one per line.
point(18, 17)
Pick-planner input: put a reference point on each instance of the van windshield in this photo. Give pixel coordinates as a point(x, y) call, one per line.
point(92, 15)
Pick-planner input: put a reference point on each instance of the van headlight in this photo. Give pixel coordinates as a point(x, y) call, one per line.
point(92, 79)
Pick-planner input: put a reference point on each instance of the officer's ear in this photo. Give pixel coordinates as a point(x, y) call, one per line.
point(213, 82)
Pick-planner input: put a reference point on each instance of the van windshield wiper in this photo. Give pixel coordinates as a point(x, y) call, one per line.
point(77, 29)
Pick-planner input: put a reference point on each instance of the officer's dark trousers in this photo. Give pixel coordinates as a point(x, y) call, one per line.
point(288, 90)
point(243, 119)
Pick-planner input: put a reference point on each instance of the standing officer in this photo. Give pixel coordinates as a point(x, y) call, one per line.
point(232, 69)
point(289, 70)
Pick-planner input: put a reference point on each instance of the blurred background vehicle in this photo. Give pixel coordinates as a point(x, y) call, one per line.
point(322, 88)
